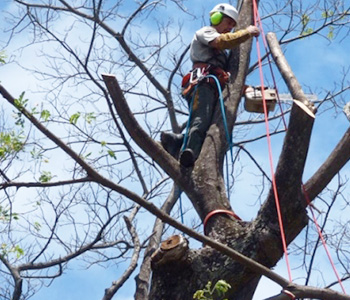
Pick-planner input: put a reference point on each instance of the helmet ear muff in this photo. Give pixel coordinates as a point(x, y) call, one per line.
point(216, 18)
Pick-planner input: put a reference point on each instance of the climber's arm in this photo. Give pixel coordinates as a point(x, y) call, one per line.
point(233, 39)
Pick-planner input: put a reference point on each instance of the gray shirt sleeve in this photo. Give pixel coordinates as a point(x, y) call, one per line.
point(201, 51)
point(206, 35)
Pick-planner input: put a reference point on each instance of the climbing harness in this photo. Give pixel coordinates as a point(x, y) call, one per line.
point(199, 73)
point(191, 80)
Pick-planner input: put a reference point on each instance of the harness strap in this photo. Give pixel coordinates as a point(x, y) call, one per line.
point(219, 211)
point(288, 293)
point(199, 72)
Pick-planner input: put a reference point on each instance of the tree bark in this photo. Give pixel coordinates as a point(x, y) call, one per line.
point(261, 239)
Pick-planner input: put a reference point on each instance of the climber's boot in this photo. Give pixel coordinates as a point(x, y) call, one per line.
point(172, 143)
point(187, 158)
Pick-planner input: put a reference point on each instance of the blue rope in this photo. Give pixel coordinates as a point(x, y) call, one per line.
point(222, 107)
point(185, 143)
point(181, 212)
point(189, 119)
point(228, 136)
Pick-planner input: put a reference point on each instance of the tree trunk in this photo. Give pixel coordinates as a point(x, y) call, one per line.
point(179, 277)
point(259, 240)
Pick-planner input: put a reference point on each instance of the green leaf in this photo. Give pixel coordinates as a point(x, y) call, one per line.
point(45, 115)
point(36, 154)
point(327, 13)
point(199, 295)
point(305, 19)
point(74, 118)
point(10, 143)
point(2, 57)
point(6, 250)
point(18, 251)
point(308, 31)
point(111, 154)
point(85, 156)
point(330, 34)
point(3, 249)
point(20, 102)
point(89, 117)
point(37, 226)
point(6, 215)
point(222, 287)
point(45, 177)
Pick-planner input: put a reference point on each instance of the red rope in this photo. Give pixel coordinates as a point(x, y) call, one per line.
point(322, 239)
point(257, 17)
point(219, 211)
point(288, 293)
point(270, 66)
point(278, 208)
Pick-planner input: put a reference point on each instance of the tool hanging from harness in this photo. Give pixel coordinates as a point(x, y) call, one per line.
point(199, 72)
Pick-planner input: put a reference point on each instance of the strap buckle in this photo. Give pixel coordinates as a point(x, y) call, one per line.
point(197, 75)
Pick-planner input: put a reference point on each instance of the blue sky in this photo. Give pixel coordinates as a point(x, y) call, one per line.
point(315, 62)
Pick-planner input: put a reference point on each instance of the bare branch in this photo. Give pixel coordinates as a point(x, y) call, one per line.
point(143, 278)
point(153, 149)
point(110, 292)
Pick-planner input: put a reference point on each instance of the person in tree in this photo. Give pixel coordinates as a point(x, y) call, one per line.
point(209, 56)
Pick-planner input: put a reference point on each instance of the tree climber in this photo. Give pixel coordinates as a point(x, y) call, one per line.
point(208, 55)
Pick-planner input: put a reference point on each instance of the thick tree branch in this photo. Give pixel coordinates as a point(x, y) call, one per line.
point(293, 156)
point(142, 139)
point(47, 132)
point(15, 273)
point(339, 157)
point(286, 72)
